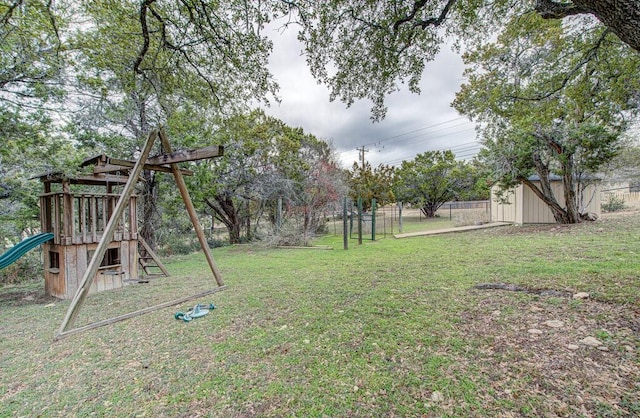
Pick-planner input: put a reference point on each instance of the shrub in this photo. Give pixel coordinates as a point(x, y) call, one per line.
point(27, 268)
point(613, 204)
point(289, 235)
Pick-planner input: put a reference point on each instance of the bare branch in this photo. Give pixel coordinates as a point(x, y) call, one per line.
point(52, 20)
point(5, 19)
point(423, 24)
point(145, 35)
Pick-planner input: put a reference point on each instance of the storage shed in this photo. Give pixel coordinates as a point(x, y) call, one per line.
point(521, 205)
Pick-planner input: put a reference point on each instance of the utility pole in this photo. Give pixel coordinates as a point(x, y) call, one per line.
point(362, 151)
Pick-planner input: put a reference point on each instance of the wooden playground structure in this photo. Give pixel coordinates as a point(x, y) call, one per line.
point(96, 245)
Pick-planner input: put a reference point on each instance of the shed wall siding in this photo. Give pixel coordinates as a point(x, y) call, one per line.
point(518, 212)
point(503, 212)
point(524, 207)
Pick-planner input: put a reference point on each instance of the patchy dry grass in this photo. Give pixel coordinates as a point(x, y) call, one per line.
point(389, 328)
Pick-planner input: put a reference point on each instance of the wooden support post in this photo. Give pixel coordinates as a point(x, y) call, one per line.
point(133, 219)
point(83, 218)
point(57, 222)
point(67, 214)
point(136, 313)
point(93, 204)
point(107, 236)
point(183, 156)
point(182, 186)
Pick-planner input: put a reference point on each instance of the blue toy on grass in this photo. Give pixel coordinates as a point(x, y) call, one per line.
point(198, 311)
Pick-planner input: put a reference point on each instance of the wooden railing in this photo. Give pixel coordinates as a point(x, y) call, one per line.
point(81, 218)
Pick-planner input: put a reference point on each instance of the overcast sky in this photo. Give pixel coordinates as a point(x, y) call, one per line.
point(414, 123)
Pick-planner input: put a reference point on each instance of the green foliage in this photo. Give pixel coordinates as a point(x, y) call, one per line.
point(613, 204)
point(552, 99)
point(27, 269)
point(432, 179)
point(211, 54)
point(31, 51)
point(625, 166)
point(266, 160)
point(368, 50)
point(29, 148)
point(368, 184)
point(138, 66)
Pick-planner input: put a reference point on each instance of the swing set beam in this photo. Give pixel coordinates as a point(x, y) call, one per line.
point(107, 236)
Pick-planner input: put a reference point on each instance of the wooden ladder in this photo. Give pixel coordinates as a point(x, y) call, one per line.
point(150, 263)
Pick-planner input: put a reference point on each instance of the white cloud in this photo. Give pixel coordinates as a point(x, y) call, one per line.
point(435, 125)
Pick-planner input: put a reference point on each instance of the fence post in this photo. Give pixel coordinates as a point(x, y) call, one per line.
point(350, 218)
point(384, 222)
point(373, 219)
point(345, 239)
point(359, 221)
point(279, 216)
point(400, 217)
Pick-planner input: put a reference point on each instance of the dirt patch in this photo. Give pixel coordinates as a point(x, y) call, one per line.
point(554, 356)
point(25, 297)
point(608, 220)
point(516, 288)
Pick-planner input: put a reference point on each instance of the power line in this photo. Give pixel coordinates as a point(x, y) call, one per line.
point(416, 139)
point(468, 151)
point(413, 131)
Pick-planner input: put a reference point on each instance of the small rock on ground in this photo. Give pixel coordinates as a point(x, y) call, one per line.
point(437, 397)
point(591, 341)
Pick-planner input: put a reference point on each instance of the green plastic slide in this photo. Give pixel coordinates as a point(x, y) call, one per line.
point(14, 253)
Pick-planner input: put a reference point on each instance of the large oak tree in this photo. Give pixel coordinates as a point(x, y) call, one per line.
point(549, 107)
point(149, 63)
point(432, 179)
point(366, 50)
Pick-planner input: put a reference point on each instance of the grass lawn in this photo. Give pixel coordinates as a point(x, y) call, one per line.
point(388, 328)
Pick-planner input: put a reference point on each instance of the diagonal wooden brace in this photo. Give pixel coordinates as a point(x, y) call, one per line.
point(182, 186)
point(107, 236)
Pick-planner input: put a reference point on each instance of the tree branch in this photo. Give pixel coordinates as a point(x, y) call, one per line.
point(52, 20)
point(423, 24)
point(549, 9)
point(145, 35)
point(5, 19)
point(587, 57)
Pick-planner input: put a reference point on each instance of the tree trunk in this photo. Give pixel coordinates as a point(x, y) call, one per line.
point(559, 214)
point(247, 215)
point(429, 210)
point(545, 192)
point(225, 210)
point(622, 17)
point(149, 209)
point(140, 127)
point(569, 188)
